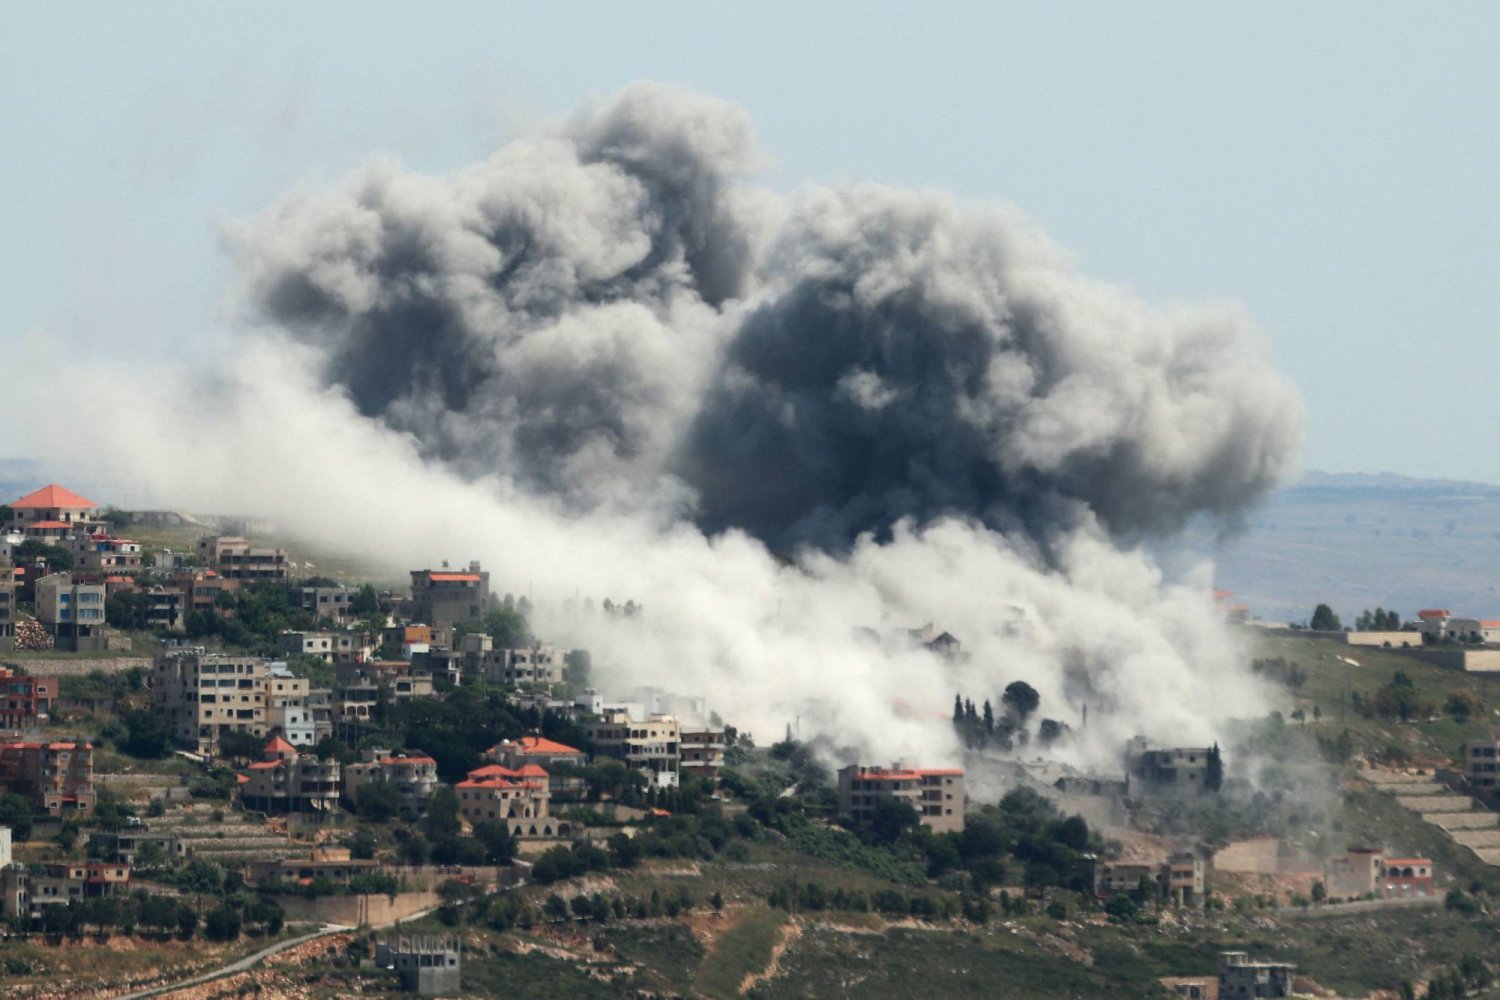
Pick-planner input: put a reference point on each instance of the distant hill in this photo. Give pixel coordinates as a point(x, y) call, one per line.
point(1358, 541)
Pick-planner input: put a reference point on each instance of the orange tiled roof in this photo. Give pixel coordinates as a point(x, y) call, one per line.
point(48, 525)
point(453, 577)
point(538, 745)
point(265, 765)
point(53, 495)
point(279, 745)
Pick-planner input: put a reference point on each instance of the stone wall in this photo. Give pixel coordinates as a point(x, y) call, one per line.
point(46, 667)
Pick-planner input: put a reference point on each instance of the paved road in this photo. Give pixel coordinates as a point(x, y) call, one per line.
point(245, 963)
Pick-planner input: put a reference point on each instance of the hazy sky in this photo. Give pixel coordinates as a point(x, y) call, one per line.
point(1332, 166)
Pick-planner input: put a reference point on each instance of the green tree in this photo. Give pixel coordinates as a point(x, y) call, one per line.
point(222, 923)
point(442, 814)
point(1021, 698)
point(1324, 620)
point(16, 813)
point(508, 628)
point(242, 745)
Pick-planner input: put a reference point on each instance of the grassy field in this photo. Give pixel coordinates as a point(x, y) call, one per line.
point(744, 949)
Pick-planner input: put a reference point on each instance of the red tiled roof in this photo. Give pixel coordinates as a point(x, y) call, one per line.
point(534, 745)
point(1434, 613)
point(265, 765)
point(48, 525)
point(453, 577)
point(53, 495)
point(1490, 622)
point(533, 771)
point(493, 771)
point(487, 783)
point(408, 760)
point(279, 745)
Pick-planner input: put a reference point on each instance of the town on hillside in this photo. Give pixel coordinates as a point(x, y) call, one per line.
point(213, 753)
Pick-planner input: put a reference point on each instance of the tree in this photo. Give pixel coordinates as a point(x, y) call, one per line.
point(892, 819)
point(222, 923)
point(244, 745)
point(499, 846)
point(1461, 704)
point(16, 813)
point(1120, 907)
point(1324, 620)
point(508, 628)
point(1319, 891)
point(1021, 698)
point(146, 735)
point(377, 801)
point(1213, 772)
point(442, 813)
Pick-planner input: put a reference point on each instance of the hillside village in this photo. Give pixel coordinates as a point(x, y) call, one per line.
point(212, 751)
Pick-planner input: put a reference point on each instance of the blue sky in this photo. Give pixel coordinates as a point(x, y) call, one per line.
point(1331, 166)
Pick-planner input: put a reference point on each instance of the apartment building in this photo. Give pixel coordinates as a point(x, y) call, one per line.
point(25, 700)
point(103, 553)
point(702, 751)
point(937, 795)
point(205, 695)
point(7, 607)
point(547, 755)
point(56, 504)
point(331, 863)
point(1240, 978)
point(651, 745)
point(26, 893)
point(1482, 765)
point(326, 603)
point(166, 608)
point(208, 592)
point(414, 777)
point(1370, 871)
point(237, 559)
point(57, 777)
point(286, 780)
point(1179, 879)
point(72, 611)
point(330, 647)
point(539, 664)
point(1167, 769)
point(444, 597)
point(517, 798)
point(287, 711)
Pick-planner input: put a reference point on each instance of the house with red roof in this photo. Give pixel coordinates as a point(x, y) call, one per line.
point(1439, 625)
point(564, 783)
point(447, 598)
point(25, 700)
point(413, 776)
point(286, 780)
point(935, 794)
point(53, 504)
point(56, 777)
point(518, 798)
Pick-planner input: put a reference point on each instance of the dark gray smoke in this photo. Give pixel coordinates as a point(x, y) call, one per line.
point(611, 315)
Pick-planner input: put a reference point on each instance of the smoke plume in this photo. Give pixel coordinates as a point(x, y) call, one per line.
point(609, 364)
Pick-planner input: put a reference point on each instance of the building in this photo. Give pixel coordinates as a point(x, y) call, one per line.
point(519, 799)
point(540, 664)
point(1407, 877)
point(26, 893)
point(1169, 769)
point(24, 700)
point(429, 966)
point(208, 592)
point(236, 559)
point(287, 711)
point(7, 607)
point(702, 752)
point(330, 647)
point(58, 778)
point(205, 695)
point(327, 603)
point(413, 776)
point(331, 863)
point(937, 795)
point(1482, 765)
point(166, 609)
point(288, 781)
point(1368, 872)
point(54, 503)
point(103, 553)
point(1239, 977)
point(73, 612)
point(1439, 625)
point(651, 745)
point(441, 597)
point(125, 846)
point(557, 759)
point(1192, 987)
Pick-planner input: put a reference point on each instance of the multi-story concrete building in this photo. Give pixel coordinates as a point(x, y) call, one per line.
point(539, 664)
point(54, 503)
point(237, 559)
point(516, 798)
point(56, 777)
point(547, 755)
point(413, 776)
point(26, 893)
point(287, 711)
point(1240, 978)
point(330, 647)
point(205, 695)
point(327, 603)
point(1482, 765)
point(1167, 769)
point(208, 592)
point(25, 700)
point(1370, 871)
point(331, 863)
point(651, 745)
point(936, 794)
point(72, 611)
point(702, 752)
point(287, 781)
point(125, 846)
point(7, 606)
point(444, 597)
point(103, 553)
point(429, 966)
point(1407, 877)
point(1440, 625)
point(166, 608)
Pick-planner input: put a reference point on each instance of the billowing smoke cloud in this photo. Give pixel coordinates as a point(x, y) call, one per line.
point(599, 311)
point(608, 365)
